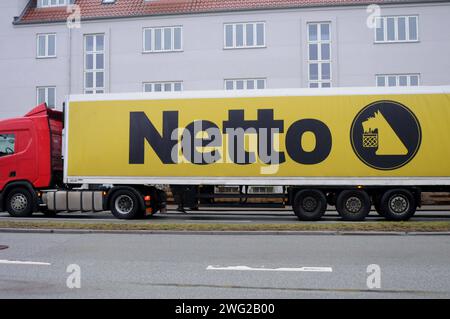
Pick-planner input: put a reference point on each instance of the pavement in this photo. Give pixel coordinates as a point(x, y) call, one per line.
point(230, 267)
point(228, 216)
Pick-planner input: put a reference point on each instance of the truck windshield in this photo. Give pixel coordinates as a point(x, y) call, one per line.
point(7, 143)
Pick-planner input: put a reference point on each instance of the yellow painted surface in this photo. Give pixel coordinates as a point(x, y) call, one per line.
point(99, 136)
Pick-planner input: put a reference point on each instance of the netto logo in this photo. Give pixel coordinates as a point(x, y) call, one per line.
point(386, 135)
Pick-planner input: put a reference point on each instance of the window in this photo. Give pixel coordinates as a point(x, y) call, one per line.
point(46, 95)
point(163, 39)
point(396, 29)
point(244, 35)
point(163, 87)
point(7, 144)
point(53, 3)
point(397, 80)
point(245, 84)
point(94, 64)
point(319, 55)
point(46, 45)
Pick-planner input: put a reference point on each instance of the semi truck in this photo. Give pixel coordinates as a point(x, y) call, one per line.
point(352, 148)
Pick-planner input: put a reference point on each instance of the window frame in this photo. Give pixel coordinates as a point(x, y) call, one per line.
point(40, 4)
point(46, 88)
point(245, 80)
point(162, 83)
point(94, 89)
point(397, 79)
point(244, 35)
point(46, 56)
point(162, 28)
point(320, 61)
point(407, 29)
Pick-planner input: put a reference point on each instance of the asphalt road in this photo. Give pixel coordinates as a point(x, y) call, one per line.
point(197, 266)
point(227, 215)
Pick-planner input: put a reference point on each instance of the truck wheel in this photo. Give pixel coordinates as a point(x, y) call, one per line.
point(125, 205)
point(310, 204)
point(19, 203)
point(377, 205)
point(398, 204)
point(353, 205)
point(378, 209)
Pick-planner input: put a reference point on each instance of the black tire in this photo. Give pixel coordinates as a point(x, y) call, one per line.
point(309, 204)
point(124, 204)
point(377, 206)
point(353, 205)
point(20, 203)
point(398, 205)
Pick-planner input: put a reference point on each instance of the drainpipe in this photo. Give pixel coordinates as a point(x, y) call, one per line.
point(70, 61)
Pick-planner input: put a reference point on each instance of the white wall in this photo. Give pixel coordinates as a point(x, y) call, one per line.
point(204, 64)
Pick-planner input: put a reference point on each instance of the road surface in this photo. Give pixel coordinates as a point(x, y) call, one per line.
point(222, 266)
point(230, 216)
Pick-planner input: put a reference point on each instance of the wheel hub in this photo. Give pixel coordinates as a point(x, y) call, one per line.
point(19, 202)
point(353, 204)
point(309, 203)
point(124, 204)
point(398, 204)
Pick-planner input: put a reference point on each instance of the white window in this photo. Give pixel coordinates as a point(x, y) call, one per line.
point(46, 45)
point(319, 54)
point(163, 87)
point(393, 80)
point(244, 35)
point(94, 64)
point(397, 29)
point(53, 3)
point(163, 39)
point(46, 95)
point(245, 84)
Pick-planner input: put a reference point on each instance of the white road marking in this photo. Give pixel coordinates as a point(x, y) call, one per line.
point(246, 268)
point(16, 262)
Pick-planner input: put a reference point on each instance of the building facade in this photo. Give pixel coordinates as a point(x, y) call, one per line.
point(170, 45)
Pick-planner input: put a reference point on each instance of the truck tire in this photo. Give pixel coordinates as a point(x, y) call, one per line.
point(19, 203)
point(378, 209)
point(398, 205)
point(124, 204)
point(353, 205)
point(377, 204)
point(309, 204)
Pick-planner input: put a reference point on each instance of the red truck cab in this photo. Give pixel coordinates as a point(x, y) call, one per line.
point(30, 158)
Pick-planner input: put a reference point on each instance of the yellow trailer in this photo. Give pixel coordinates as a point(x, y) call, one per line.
point(351, 147)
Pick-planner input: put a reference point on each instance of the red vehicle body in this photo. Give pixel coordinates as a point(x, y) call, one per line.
point(30, 154)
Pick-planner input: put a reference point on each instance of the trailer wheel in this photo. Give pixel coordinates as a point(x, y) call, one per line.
point(19, 203)
point(378, 209)
point(353, 205)
point(125, 205)
point(310, 204)
point(377, 204)
point(398, 204)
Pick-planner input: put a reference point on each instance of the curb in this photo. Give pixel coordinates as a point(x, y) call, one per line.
point(172, 232)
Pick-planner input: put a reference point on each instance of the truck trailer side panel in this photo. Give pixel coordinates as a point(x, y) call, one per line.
point(276, 137)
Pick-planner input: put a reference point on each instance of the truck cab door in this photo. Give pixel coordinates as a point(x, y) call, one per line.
point(8, 158)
